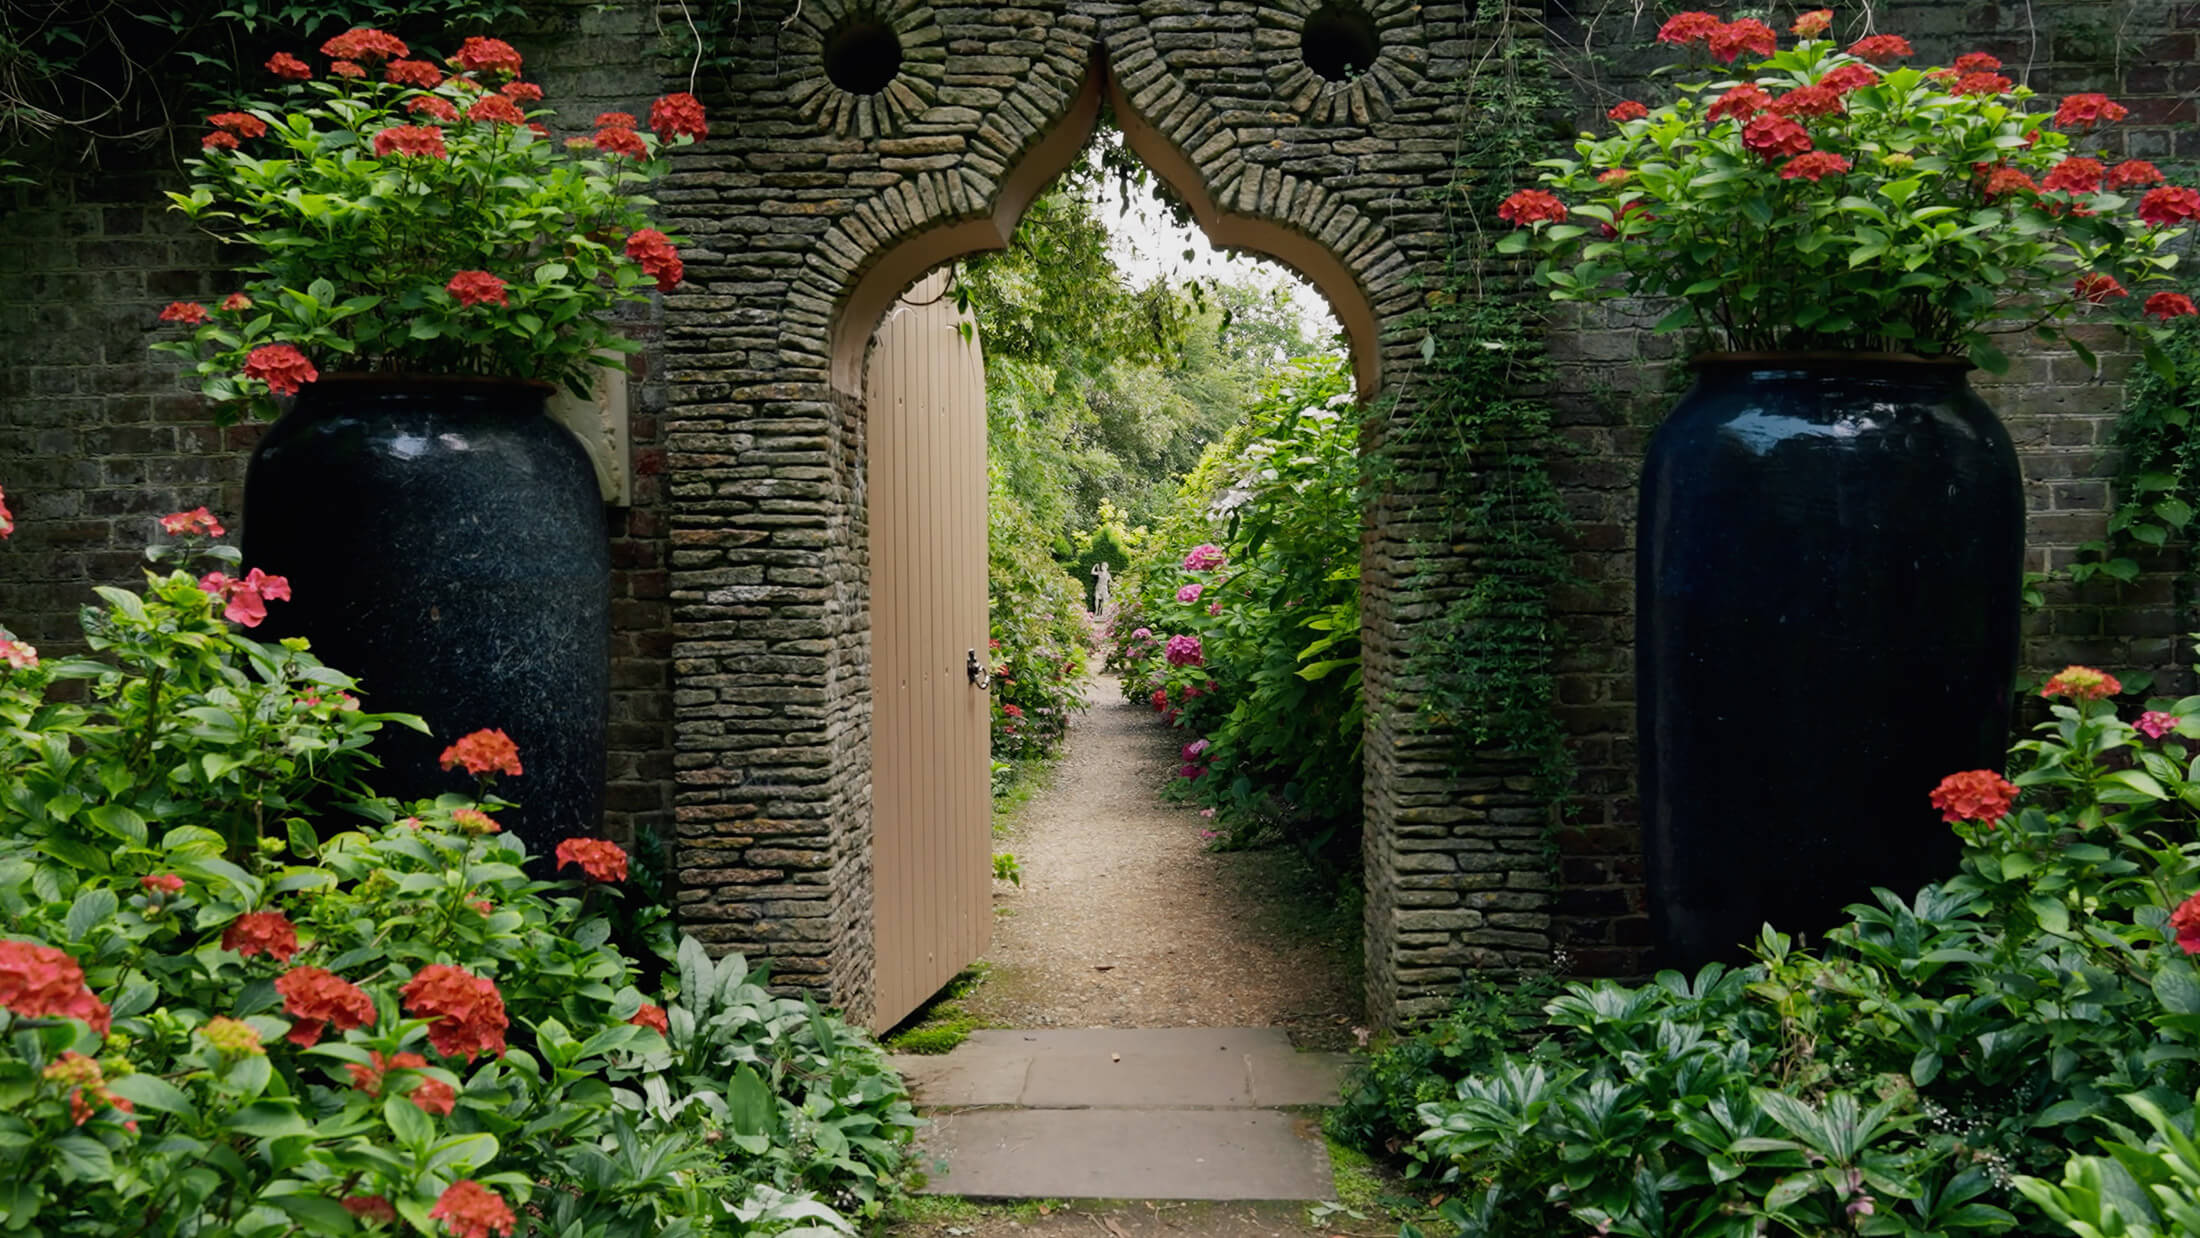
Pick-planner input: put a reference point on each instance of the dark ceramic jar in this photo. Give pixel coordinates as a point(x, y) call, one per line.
point(445, 543)
point(1828, 569)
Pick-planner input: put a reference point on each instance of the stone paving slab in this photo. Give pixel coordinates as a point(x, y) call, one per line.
point(1233, 1154)
point(1126, 1068)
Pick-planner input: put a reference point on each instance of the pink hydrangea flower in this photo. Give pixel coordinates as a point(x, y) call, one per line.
point(1190, 593)
point(1204, 557)
point(1185, 651)
point(1194, 750)
point(2156, 724)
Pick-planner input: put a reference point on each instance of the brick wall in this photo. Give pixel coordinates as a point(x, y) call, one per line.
point(1614, 380)
point(98, 436)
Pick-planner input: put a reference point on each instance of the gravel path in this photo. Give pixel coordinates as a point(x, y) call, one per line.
point(1125, 919)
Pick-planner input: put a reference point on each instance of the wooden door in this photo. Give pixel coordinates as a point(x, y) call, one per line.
point(931, 809)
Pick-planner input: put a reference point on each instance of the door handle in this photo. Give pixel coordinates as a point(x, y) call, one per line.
point(979, 677)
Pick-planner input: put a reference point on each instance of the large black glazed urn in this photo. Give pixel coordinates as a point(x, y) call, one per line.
point(1829, 563)
point(444, 542)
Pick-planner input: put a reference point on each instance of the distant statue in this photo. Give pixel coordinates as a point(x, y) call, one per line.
point(1103, 587)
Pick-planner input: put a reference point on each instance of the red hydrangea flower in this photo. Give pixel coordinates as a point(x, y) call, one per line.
point(1160, 698)
point(245, 600)
point(2154, 724)
point(1609, 176)
point(315, 997)
point(1739, 103)
point(2169, 204)
point(435, 107)
point(421, 73)
point(1609, 231)
point(1976, 62)
point(1812, 24)
point(652, 1015)
point(2185, 921)
point(471, 1210)
point(433, 1097)
point(1627, 109)
point(236, 302)
point(243, 124)
point(1981, 85)
point(283, 368)
point(614, 120)
point(496, 110)
point(2168, 305)
point(2134, 174)
point(479, 55)
point(678, 115)
point(1530, 206)
point(368, 1078)
point(2087, 110)
point(262, 932)
point(1815, 166)
point(161, 883)
point(484, 752)
point(1818, 100)
point(2097, 289)
point(1850, 76)
point(196, 521)
point(220, 139)
point(1686, 28)
point(659, 259)
point(601, 859)
point(620, 142)
point(475, 821)
point(2082, 683)
point(1013, 711)
point(1974, 795)
point(467, 1009)
point(1881, 48)
point(2077, 174)
point(1773, 136)
point(1746, 35)
point(477, 288)
point(2002, 182)
point(371, 1208)
point(289, 67)
point(346, 68)
point(362, 43)
point(191, 313)
point(522, 92)
point(38, 982)
point(18, 655)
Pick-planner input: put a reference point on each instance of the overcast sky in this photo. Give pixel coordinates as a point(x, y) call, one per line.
point(1147, 243)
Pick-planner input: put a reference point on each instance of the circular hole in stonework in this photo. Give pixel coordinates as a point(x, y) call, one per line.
point(862, 56)
point(1339, 41)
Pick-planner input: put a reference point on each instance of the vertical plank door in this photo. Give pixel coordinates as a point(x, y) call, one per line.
point(931, 809)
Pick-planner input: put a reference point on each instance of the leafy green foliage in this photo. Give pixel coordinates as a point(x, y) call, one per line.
point(1910, 1076)
point(1274, 688)
point(183, 803)
point(355, 247)
point(1040, 636)
point(2160, 464)
point(1895, 239)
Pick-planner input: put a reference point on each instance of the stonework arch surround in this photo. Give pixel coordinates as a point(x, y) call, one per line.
point(816, 211)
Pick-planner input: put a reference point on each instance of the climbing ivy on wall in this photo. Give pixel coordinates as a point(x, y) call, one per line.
point(1487, 659)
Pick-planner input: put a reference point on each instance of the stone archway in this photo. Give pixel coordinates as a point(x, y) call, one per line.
point(879, 138)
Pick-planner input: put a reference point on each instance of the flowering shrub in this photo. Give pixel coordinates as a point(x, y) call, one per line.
point(1930, 1070)
point(1834, 198)
point(1251, 643)
point(414, 216)
point(1041, 638)
point(241, 994)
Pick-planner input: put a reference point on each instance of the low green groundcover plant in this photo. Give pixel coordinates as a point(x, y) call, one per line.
point(2012, 1050)
point(242, 995)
